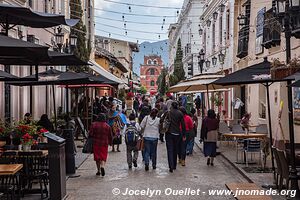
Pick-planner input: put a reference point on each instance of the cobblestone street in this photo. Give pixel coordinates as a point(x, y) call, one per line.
point(196, 175)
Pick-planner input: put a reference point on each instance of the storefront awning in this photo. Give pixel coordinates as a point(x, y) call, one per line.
point(100, 70)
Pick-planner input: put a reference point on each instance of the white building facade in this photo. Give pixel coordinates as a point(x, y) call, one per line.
point(41, 100)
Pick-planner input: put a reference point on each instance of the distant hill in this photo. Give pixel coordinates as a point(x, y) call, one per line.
point(160, 48)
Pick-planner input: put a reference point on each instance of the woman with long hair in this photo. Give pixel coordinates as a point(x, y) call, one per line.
point(150, 124)
point(101, 133)
point(209, 134)
point(45, 122)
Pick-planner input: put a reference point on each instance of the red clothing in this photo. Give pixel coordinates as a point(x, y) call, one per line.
point(100, 153)
point(189, 124)
point(101, 134)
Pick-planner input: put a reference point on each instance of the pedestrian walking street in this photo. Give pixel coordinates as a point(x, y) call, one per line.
point(195, 175)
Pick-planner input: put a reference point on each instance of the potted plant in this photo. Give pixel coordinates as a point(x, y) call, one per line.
point(27, 141)
point(279, 70)
point(5, 132)
point(20, 130)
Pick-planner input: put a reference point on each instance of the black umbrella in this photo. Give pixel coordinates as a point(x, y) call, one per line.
point(259, 73)
point(4, 76)
point(17, 15)
point(53, 77)
point(11, 50)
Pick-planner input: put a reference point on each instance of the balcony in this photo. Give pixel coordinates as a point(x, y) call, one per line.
point(272, 31)
point(296, 25)
point(243, 42)
point(187, 49)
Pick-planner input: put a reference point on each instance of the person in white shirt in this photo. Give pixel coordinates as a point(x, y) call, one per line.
point(150, 124)
point(131, 132)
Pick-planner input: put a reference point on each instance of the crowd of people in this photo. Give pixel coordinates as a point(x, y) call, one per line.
point(152, 120)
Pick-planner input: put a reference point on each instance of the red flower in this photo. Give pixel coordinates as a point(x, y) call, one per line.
point(43, 130)
point(130, 95)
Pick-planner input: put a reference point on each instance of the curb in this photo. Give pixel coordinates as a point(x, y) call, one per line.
point(241, 172)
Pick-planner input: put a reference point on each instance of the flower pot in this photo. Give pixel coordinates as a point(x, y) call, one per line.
point(282, 72)
point(26, 147)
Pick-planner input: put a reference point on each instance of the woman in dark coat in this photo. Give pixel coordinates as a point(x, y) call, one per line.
point(45, 123)
point(101, 133)
point(209, 134)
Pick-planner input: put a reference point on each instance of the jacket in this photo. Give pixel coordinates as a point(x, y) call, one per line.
point(151, 127)
point(208, 124)
point(176, 119)
point(101, 134)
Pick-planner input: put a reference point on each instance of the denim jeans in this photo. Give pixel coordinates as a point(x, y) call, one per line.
point(150, 151)
point(190, 146)
point(172, 149)
point(182, 145)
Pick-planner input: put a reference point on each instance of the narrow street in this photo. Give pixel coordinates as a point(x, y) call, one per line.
point(195, 175)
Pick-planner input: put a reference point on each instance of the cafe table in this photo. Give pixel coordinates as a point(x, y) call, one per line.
point(44, 152)
point(11, 170)
point(237, 136)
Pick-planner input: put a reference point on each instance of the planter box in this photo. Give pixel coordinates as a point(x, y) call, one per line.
point(283, 72)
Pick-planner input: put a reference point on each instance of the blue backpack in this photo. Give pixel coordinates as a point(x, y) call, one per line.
point(131, 134)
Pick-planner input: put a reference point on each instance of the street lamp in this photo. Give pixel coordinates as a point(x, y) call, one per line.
point(242, 20)
point(214, 60)
point(73, 40)
point(215, 15)
point(200, 31)
point(208, 23)
point(59, 38)
point(201, 60)
point(207, 63)
point(221, 57)
point(222, 8)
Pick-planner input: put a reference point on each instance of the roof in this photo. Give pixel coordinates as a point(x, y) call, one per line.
point(17, 15)
point(103, 52)
point(100, 70)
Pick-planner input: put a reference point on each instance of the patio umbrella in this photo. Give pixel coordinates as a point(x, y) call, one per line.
point(53, 77)
point(258, 73)
point(4, 76)
point(17, 15)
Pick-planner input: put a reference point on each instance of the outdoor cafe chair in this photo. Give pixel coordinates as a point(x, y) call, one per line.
point(34, 169)
point(262, 129)
point(278, 169)
point(237, 128)
point(252, 146)
point(223, 128)
point(285, 175)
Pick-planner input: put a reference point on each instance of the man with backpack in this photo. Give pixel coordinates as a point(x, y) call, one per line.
point(132, 133)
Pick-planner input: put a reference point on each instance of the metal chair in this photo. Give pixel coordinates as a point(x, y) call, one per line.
point(34, 169)
point(278, 169)
point(285, 174)
point(236, 128)
point(262, 129)
point(253, 146)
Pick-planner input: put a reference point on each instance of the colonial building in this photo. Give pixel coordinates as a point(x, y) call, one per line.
point(187, 30)
point(120, 49)
point(257, 37)
point(150, 71)
point(38, 100)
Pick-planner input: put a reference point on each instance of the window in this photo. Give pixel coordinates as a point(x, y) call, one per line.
point(149, 62)
point(155, 62)
point(30, 3)
point(45, 6)
point(221, 30)
point(152, 71)
point(228, 25)
point(262, 101)
point(213, 37)
point(152, 83)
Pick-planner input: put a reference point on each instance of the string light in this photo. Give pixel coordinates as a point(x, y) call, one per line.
point(123, 17)
point(129, 8)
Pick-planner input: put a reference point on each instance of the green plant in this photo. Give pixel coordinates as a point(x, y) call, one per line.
point(276, 63)
point(143, 90)
point(217, 99)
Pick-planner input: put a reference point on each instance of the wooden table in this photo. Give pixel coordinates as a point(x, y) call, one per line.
point(10, 169)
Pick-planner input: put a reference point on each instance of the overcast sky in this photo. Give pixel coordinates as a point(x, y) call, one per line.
point(119, 33)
